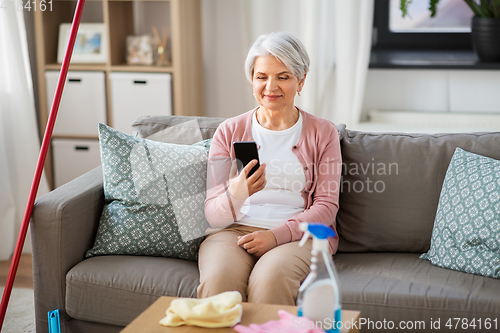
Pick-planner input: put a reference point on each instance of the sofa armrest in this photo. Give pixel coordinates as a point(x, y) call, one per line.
point(63, 227)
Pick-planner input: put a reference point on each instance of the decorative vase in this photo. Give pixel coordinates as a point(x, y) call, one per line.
point(485, 33)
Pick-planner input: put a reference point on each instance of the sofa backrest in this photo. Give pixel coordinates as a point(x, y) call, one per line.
point(391, 186)
point(185, 129)
point(391, 181)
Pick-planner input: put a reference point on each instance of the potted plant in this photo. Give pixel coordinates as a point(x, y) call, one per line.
point(485, 26)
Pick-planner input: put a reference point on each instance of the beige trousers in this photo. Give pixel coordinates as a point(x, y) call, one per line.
point(274, 278)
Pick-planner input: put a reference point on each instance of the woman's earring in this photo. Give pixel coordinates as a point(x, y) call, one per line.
point(298, 92)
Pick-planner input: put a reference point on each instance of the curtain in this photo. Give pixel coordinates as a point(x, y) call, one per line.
point(336, 34)
point(19, 141)
point(354, 21)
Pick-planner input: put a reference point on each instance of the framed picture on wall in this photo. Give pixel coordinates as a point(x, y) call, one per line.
point(90, 44)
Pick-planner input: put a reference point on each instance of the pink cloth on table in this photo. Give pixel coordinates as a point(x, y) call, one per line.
point(288, 323)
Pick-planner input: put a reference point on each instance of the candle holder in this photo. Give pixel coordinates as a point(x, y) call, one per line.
point(161, 57)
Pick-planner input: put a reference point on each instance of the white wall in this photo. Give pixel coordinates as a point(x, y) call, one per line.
point(229, 29)
point(432, 90)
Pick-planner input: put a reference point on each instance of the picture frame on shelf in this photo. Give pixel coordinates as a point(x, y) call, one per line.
point(90, 44)
point(140, 50)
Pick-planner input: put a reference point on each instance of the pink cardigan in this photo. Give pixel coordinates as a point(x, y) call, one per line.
point(318, 150)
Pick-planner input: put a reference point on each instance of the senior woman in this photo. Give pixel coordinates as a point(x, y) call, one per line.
point(256, 252)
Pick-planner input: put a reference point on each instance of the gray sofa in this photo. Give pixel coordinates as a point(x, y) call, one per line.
point(391, 186)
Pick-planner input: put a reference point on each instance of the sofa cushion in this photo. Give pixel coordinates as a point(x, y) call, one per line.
point(391, 185)
point(176, 129)
point(154, 194)
point(466, 234)
point(401, 287)
point(116, 289)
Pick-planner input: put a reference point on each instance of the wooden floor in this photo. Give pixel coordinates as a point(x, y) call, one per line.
point(24, 276)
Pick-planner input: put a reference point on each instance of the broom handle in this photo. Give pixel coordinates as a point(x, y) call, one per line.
point(41, 161)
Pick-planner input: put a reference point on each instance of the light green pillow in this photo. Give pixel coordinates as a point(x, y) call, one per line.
point(154, 197)
point(466, 234)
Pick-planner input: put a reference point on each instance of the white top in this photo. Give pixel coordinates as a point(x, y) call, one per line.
point(281, 199)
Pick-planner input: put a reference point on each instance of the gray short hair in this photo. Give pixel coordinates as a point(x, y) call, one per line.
point(285, 47)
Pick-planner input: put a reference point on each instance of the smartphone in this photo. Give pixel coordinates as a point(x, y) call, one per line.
point(246, 151)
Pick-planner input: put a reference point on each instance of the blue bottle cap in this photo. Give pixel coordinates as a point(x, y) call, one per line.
point(320, 231)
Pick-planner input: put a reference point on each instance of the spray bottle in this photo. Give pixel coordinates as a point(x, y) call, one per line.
point(319, 294)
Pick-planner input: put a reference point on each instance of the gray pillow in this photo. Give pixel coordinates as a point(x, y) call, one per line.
point(466, 235)
point(391, 185)
point(154, 197)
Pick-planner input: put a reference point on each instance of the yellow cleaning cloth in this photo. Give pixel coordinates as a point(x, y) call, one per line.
point(222, 310)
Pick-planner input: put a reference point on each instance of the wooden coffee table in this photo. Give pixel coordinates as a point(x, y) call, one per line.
point(149, 320)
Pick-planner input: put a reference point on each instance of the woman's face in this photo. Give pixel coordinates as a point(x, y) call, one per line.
point(274, 86)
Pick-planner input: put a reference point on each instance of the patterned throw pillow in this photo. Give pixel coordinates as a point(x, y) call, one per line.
point(154, 197)
point(466, 234)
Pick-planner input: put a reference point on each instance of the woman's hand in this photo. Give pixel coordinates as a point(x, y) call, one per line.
point(241, 186)
point(258, 242)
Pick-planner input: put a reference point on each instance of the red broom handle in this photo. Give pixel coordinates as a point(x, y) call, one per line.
point(41, 161)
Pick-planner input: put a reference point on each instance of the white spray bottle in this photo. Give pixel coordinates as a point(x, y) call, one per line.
point(319, 294)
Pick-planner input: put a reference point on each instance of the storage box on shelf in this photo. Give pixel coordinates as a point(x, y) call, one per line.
point(183, 76)
point(83, 104)
point(73, 158)
point(132, 93)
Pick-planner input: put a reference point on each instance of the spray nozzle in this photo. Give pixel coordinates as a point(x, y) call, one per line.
point(303, 228)
point(318, 230)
